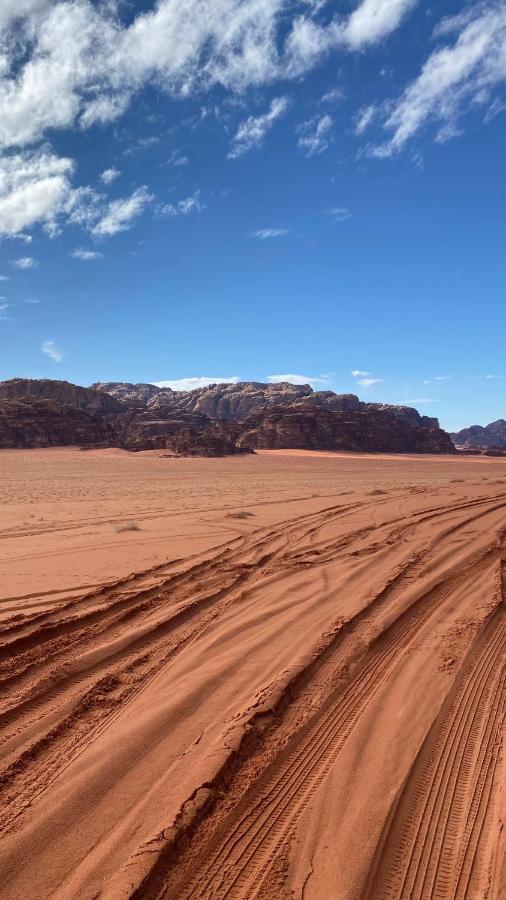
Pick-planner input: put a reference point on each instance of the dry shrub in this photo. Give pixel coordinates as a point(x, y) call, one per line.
point(127, 526)
point(241, 514)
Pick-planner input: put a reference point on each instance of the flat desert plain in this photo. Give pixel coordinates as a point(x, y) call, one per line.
point(275, 676)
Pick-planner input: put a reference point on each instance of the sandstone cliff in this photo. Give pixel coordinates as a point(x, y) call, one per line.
point(214, 420)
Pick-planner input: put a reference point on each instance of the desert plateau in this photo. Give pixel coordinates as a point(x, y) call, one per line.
point(278, 675)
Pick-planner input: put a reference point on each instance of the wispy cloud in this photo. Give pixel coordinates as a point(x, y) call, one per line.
point(315, 135)
point(109, 175)
point(494, 377)
point(121, 213)
point(184, 207)
point(51, 350)
point(359, 373)
point(364, 118)
point(453, 79)
point(4, 277)
point(369, 382)
point(25, 262)
point(266, 233)
point(177, 159)
point(313, 380)
point(339, 213)
point(86, 255)
point(335, 95)
point(31, 300)
point(251, 133)
point(194, 382)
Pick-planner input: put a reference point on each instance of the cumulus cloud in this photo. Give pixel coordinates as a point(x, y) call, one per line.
point(51, 350)
point(25, 262)
point(194, 382)
point(78, 63)
point(120, 214)
point(313, 380)
point(454, 78)
point(315, 135)
point(184, 207)
point(86, 255)
point(266, 233)
point(33, 187)
point(251, 133)
point(109, 175)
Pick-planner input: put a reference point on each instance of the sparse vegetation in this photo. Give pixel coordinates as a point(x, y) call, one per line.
point(241, 514)
point(127, 526)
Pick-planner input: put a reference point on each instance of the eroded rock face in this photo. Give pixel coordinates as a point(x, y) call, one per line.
point(62, 392)
point(323, 429)
point(214, 420)
point(491, 436)
point(33, 422)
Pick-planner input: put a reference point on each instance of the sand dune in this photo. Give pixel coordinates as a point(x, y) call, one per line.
point(305, 703)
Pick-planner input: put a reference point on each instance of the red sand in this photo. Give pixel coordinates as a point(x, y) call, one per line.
point(307, 702)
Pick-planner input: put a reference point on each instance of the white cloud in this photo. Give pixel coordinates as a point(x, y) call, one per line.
point(184, 207)
point(194, 382)
point(364, 118)
point(4, 277)
point(374, 20)
point(33, 187)
point(120, 214)
point(335, 95)
point(368, 382)
point(339, 213)
point(266, 233)
point(31, 300)
point(419, 400)
point(86, 255)
point(51, 350)
point(453, 77)
point(25, 262)
point(252, 131)
point(67, 63)
point(313, 380)
point(315, 137)
point(359, 373)
point(493, 377)
point(177, 159)
point(110, 175)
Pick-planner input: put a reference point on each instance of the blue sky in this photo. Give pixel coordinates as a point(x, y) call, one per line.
point(257, 189)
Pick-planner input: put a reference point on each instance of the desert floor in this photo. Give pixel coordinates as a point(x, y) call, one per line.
point(277, 676)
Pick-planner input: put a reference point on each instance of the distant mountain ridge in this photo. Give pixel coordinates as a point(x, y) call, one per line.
point(210, 421)
point(482, 436)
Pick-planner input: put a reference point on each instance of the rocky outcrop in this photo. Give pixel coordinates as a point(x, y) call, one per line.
point(46, 423)
point(235, 402)
point(215, 440)
point(491, 436)
point(307, 427)
point(212, 421)
point(62, 392)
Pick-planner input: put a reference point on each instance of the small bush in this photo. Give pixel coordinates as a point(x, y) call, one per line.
point(241, 514)
point(127, 526)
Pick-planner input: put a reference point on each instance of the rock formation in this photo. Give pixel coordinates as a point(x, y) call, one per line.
point(373, 430)
point(491, 436)
point(214, 420)
point(33, 422)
